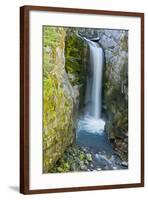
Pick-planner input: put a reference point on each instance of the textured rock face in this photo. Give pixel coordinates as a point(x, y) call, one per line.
point(58, 122)
point(115, 44)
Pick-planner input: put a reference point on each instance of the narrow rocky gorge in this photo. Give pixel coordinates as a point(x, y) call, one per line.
point(65, 68)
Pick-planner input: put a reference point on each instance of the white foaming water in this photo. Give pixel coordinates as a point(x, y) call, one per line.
point(93, 99)
point(91, 125)
point(91, 121)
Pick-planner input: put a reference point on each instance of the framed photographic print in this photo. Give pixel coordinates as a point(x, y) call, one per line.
point(82, 99)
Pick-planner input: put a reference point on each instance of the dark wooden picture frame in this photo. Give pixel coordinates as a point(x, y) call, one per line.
point(24, 97)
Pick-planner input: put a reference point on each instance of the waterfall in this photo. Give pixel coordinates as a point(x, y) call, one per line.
point(94, 82)
point(91, 121)
point(90, 127)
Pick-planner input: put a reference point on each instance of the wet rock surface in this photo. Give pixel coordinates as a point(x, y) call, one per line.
point(78, 158)
point(92, 152)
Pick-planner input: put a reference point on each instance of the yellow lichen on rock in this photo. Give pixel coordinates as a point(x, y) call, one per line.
point(58, 122)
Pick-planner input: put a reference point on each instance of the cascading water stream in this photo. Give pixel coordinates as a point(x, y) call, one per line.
point(91, 120)
point(94, 96)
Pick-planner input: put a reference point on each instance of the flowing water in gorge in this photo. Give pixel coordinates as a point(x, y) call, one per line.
point(90, 129)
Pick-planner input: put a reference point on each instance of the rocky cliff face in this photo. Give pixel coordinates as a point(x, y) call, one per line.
point(64, 72)
point(115, 45)
point(58, 99)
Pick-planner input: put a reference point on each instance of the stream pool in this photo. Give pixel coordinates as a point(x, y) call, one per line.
point(94, 140)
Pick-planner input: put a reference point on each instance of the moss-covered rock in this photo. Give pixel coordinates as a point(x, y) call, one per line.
point(74, 159)
point(76, 55)
point(58, 98)
point(64, 74)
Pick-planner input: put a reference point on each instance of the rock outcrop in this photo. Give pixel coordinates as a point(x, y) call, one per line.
point(64, 72)
point(76, 57)
point(115, 45)
point(58, 99)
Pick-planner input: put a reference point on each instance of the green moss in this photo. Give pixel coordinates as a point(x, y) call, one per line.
point(81, 156)
point(124, 43)
point(73, 159)
point(53, 37)
point(58, 123)
point(75, 53)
